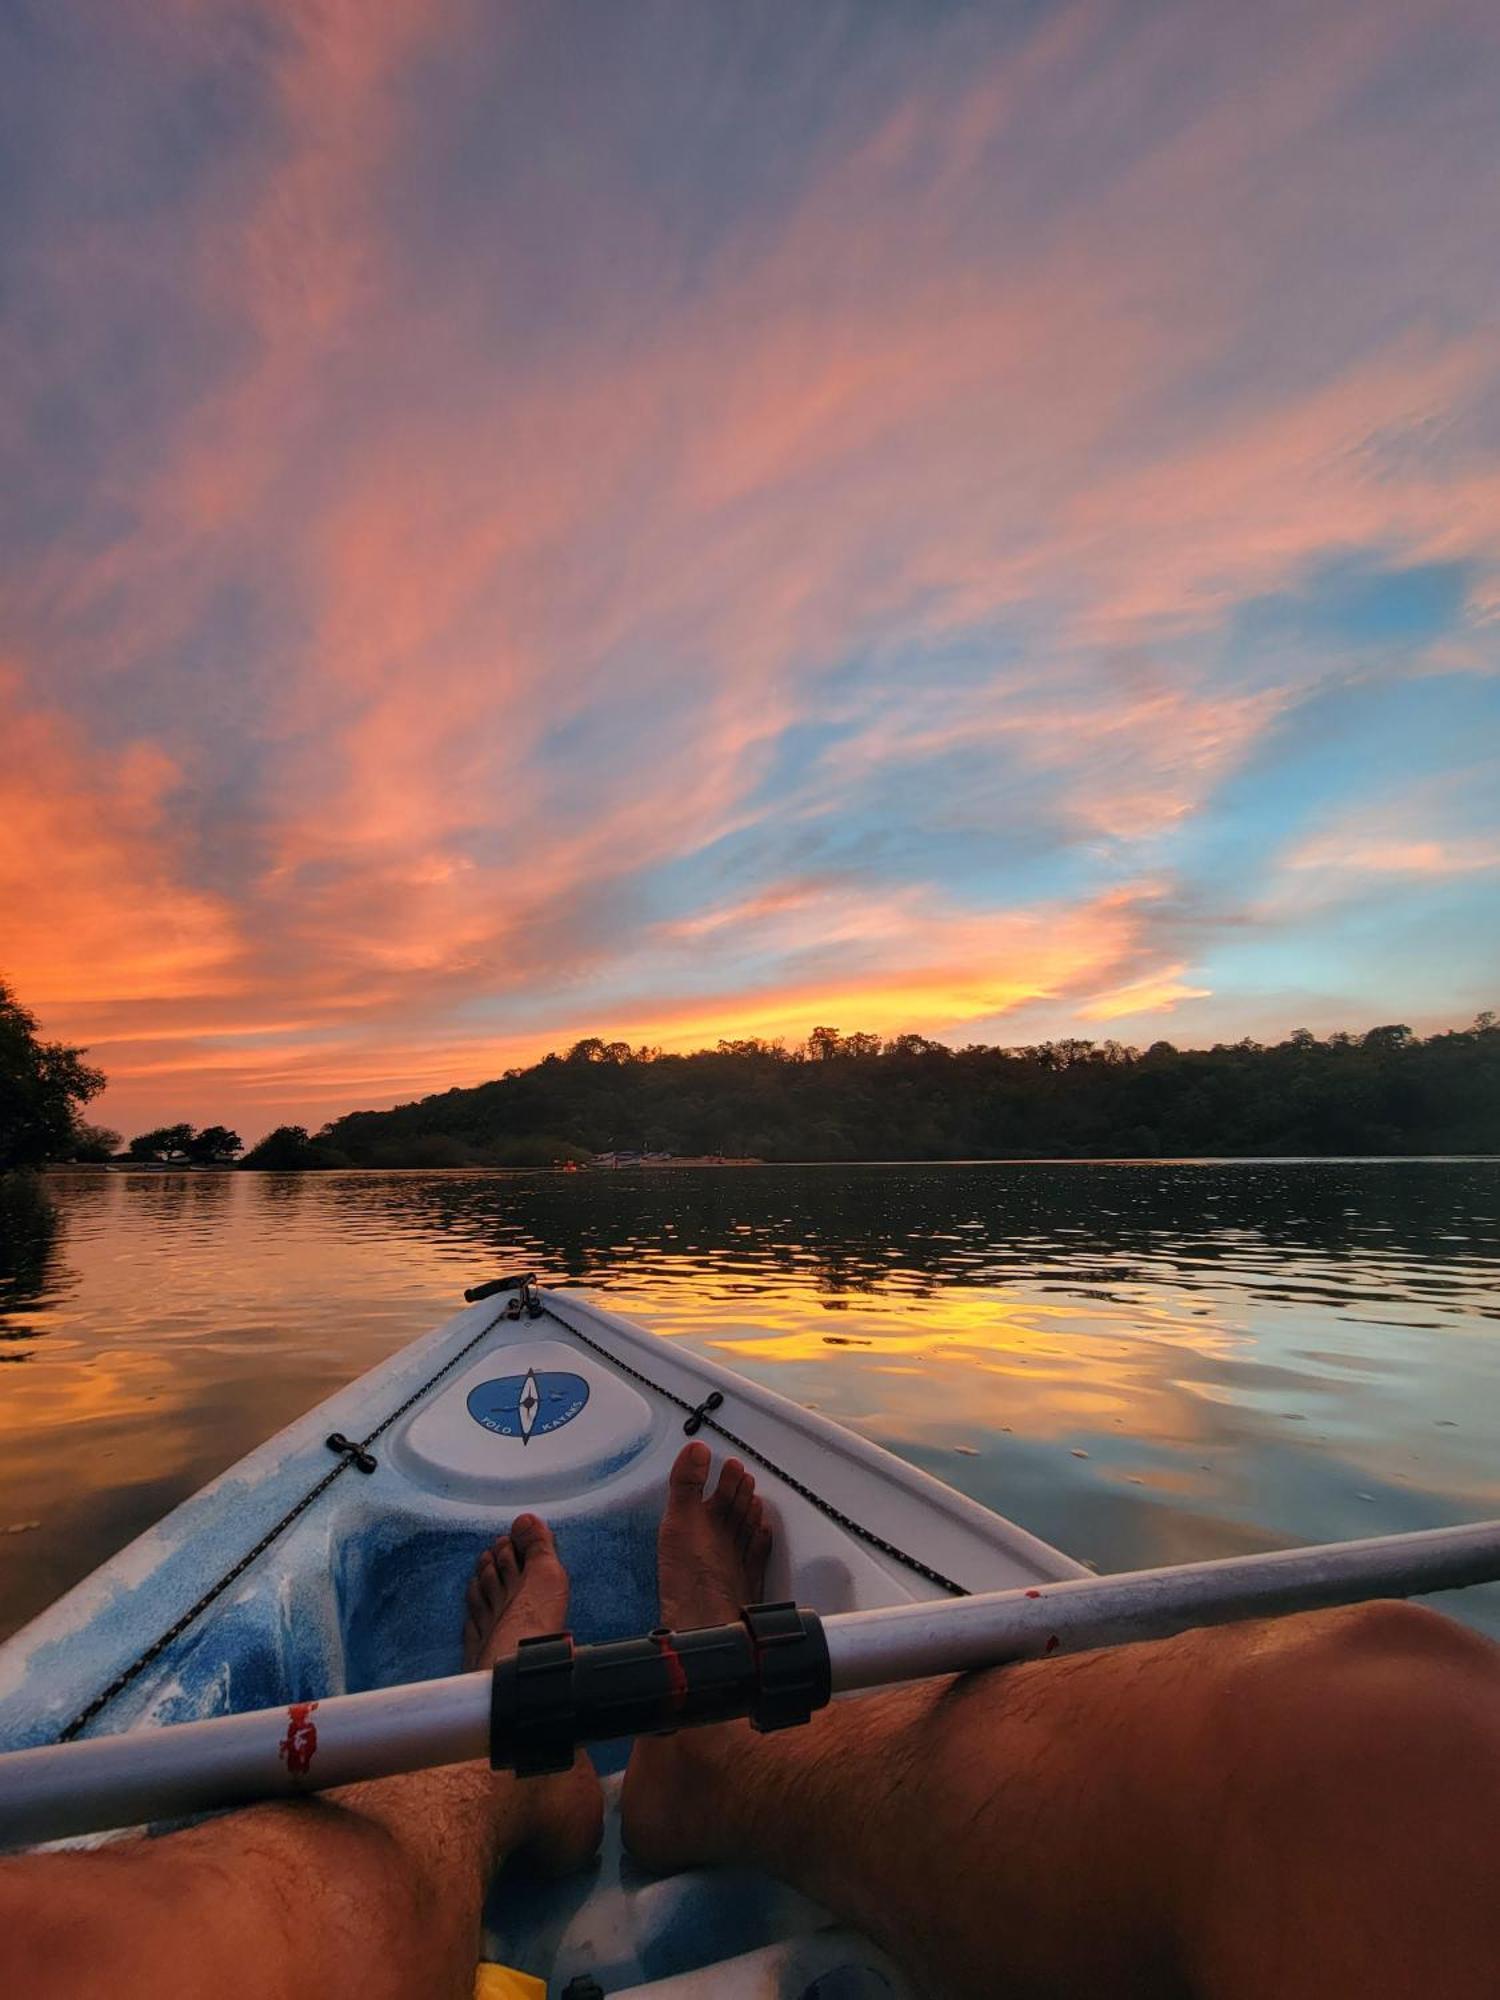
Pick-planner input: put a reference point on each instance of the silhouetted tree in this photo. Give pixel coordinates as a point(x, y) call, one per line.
point(94, 1143)
point(215, 1145)
point(165, 1142)
point(42, 1087)
point(291, 1149)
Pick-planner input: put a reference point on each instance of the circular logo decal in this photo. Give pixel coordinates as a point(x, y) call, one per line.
point(529, 1405)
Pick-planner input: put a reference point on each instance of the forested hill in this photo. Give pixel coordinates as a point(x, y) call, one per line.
point(856, 1097)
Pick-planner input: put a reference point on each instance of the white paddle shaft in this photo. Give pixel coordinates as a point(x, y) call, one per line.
point(234, 1760)
point(57, 1790)
point(912, 1641)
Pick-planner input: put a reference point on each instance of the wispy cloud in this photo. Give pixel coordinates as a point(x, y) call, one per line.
point(683, 524)
point(1158, 993)
point(1371, 853)
point(1423, 834)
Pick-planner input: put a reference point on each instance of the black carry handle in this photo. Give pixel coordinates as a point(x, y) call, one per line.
point(551, 1696)
point(523, 1284)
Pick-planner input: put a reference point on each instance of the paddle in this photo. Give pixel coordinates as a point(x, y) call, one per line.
point(776, 1667)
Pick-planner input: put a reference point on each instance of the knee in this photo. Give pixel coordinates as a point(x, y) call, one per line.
point(1387, 1636)
point(1394, 1628)
point(316, 1869)
point(1352, 1687)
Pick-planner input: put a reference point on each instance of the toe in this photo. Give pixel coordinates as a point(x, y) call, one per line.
point(490, 1588)
point(532, 1538)
point(473, 1601)
point(690, 1472)
point(505, 1563)
point(730, 1481)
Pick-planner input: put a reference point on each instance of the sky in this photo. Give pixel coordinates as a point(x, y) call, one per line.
point(679, 520)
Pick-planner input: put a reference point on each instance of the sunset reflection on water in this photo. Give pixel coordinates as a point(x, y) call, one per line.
point(1142, 1363)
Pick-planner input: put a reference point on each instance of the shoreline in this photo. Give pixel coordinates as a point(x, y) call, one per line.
point(710, 1163)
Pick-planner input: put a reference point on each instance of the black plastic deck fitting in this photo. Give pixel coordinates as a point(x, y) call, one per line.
point(551, 1696)
point(695, 1417)
point(524, 1281)
point(358, 1457)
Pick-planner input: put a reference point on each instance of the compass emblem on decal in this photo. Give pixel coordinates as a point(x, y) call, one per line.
point(529, 1405)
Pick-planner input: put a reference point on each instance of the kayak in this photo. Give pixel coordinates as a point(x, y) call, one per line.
point(333, 1560)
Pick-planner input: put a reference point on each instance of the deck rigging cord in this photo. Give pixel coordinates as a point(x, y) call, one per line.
point(700, 1417)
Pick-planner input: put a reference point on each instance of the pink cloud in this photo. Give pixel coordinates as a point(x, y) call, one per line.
point(1358, 848)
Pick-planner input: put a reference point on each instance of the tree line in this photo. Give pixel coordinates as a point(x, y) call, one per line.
point(858, 1096)
point(839, 1097)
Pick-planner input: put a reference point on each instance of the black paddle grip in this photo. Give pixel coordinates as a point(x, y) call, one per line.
point(551, 1696)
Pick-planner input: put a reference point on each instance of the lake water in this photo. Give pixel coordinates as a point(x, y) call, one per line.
point(1141, 1363)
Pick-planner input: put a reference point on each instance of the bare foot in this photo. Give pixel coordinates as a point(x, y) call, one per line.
point(711, 1558)
point(710, 1554)
point(519, 1590)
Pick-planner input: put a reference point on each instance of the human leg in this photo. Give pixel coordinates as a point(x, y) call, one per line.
point(1305, 1807)
point(378, 1885)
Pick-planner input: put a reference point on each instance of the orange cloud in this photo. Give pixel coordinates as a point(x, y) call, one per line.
point(94, 883)
point(1158, 992)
